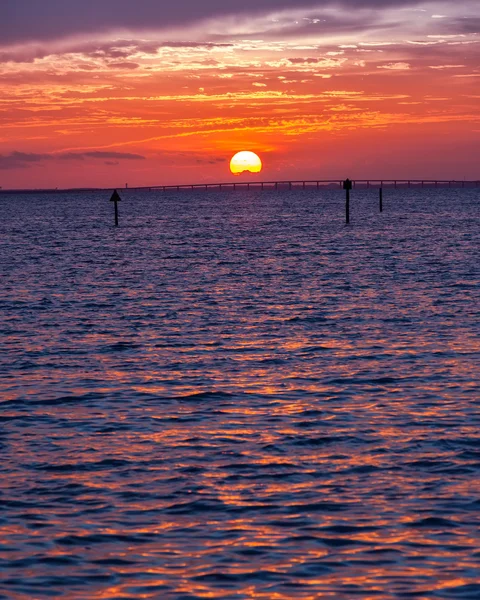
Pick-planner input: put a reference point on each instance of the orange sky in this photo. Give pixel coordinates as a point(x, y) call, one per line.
point(392, 92)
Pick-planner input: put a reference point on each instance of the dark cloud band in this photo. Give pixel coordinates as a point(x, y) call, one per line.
point(34, 20)
point(22, 160)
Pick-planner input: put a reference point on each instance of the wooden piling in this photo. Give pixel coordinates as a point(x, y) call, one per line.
point(380, 197)
point(347, 186)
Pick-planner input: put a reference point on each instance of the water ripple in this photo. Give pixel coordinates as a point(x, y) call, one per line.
point(234, 396)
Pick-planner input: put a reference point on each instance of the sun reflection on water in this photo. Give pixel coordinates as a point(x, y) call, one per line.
point(247, 406)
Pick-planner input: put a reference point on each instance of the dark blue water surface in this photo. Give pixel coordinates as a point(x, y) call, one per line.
point(234, 396)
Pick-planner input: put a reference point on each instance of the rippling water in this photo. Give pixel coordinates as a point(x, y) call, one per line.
point(235, 396)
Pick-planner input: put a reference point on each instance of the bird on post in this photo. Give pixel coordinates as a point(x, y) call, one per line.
point(116, 199)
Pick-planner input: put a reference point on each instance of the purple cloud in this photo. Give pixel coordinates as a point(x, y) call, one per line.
point(23, 160)
point(34, 20)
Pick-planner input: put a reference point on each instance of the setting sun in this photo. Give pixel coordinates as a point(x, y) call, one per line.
point(245, 161)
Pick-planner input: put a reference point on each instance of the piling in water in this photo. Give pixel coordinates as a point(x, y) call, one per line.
point(347, 186)
point(115, 199)
point(380, 196)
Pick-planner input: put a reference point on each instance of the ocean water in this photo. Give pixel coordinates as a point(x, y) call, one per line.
point(235, 396)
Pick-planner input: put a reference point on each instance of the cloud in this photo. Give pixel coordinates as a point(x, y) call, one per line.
point(447, 66)
point(34, 20)
point(188, 158)
point(111, 155)
point(19, 160)
point(118, 49)
point(301, 61)
point(23, 160)
point(210, 161)
point(126, 41)
point(398, 66)
point(463, 26)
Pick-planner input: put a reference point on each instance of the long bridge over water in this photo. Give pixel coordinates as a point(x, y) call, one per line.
point(317, 183)
point(277, 185)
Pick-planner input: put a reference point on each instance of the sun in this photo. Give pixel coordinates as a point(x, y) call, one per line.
point(245, 161)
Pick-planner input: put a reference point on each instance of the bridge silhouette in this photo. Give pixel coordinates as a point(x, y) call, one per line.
point(289, 184)
point(316, 183)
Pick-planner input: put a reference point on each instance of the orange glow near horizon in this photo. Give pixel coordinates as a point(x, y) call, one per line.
point(150, 108)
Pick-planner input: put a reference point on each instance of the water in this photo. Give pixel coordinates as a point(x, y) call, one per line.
point(235, 396)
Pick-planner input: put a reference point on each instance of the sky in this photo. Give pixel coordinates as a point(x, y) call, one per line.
point(149, 92)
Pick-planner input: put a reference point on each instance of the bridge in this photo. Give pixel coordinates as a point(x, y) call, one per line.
point(316, 184)
point(274, 185)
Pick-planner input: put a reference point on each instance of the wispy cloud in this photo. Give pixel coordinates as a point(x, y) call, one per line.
point(27, 20)
point(398, 66)
point(180, 83)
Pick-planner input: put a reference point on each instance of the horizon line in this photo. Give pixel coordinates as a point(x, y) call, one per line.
point(375, 182)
